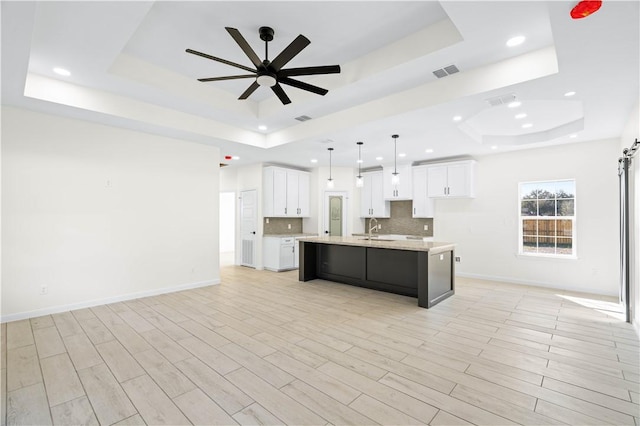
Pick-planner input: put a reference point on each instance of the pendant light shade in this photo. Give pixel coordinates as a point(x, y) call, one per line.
point(359, 180)
point(330, 183)
point(395, 176)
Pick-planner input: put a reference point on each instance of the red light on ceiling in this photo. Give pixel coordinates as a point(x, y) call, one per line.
point(585, 8)
point(227, 157)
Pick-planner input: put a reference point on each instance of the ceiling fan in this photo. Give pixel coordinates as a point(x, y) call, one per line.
point(270, 73)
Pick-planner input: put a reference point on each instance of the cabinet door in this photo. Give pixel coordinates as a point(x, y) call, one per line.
point(458, 180)
point(404, 190)
point(303, 195)
point(379, 207)
point(279, 192)
point(365, 195)
point(287, 256)
point(437, 181)
point(419, 191)
point(271, 253)
point(389, 190)
point(401, 191)
point(292, 193)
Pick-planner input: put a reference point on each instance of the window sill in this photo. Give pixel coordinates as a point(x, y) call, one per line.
point(546, 256)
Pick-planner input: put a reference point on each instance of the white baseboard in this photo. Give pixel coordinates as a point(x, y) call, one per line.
point(105, 301)
point(527, 282)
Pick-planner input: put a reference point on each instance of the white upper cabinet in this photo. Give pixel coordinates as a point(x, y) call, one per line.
point(372, 202)
point(455, 179)
point(401, 191)
point(285, 192)
point(422, 204)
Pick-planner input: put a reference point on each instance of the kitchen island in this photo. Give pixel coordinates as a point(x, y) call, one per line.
point(411, 268)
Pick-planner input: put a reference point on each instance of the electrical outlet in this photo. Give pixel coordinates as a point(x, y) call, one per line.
point(266, 220)
point(379, 226)
point(426, 227)
point(288, 226)
point(458, 259)
point(44, 290)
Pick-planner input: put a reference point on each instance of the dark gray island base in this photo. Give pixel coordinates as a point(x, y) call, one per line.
point(411, 268)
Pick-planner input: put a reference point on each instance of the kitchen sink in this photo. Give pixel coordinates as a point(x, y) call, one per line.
point(376, 239)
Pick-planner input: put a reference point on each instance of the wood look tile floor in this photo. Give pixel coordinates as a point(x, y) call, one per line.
point(263, 348)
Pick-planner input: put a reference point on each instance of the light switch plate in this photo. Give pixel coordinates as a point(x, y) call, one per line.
point(426, 227)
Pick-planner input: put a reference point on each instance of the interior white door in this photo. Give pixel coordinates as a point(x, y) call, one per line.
point(248, 226)
point(329, 224)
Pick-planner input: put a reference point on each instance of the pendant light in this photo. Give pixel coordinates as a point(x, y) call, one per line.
point(359, 180)
point(330, 182)
point(395, 176)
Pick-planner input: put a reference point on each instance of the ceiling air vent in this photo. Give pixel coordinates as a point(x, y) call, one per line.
point(303, 118)
point(448, 70)
point(501, 100)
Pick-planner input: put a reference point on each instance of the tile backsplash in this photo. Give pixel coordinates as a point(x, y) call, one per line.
point(401, 221)
point(279, 225)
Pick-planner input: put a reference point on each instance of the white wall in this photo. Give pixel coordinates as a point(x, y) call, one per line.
point(485, 229)
point(630, 134)
point(99, 214)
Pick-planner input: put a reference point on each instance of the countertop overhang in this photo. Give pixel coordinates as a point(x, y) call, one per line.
point(409, 245)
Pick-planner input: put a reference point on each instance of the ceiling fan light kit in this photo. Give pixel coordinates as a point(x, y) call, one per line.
point(270, 73)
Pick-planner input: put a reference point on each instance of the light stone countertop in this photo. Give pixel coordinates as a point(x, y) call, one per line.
point(410, 245)
point(290, 235)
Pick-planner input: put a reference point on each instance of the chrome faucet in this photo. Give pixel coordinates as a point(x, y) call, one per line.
point(372, 227)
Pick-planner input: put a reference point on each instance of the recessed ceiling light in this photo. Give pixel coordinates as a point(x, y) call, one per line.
point(568, 94)
point(573, 136)
point(457, 118)
point(428, 150)
point(527, 125)
point(494, 146)
point(262, 127)
point(235, 157)
point(313, 160)
point(520, 116)
point(515, 41)
point(514, 104)
point(359, 161)
point(62, 71)
point(402, 154)
point(379, 158)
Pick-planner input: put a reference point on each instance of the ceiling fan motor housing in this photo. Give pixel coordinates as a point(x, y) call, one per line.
point(266, 33)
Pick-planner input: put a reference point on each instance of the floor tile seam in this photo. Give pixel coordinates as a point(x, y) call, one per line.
point(590, 390)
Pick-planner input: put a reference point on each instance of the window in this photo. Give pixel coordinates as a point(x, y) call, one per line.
point(548, 218)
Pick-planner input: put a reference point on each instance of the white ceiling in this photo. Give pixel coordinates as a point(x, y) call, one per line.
point(129, 68)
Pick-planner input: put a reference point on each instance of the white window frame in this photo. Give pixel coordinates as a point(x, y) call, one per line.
point(521, 218)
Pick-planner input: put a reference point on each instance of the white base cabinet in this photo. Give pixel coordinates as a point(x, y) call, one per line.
point(279, 253)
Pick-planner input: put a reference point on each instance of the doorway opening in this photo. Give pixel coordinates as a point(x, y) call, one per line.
point(248, 226)
point(227, 225)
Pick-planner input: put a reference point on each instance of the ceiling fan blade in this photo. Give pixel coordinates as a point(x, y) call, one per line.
point(277, 89)
point(304, 86)
point(229, 77)
point(289, 52)
point(326, 69)
point(224, 61)
point(244, 46)
point(249, 90)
